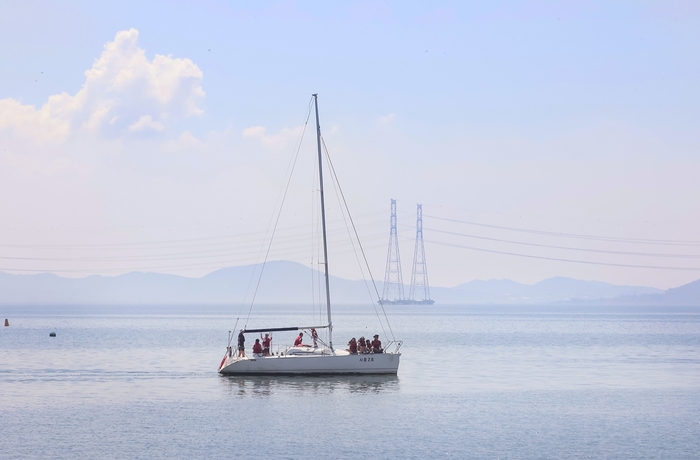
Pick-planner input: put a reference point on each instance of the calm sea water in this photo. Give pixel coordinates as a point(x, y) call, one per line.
point(488, 382)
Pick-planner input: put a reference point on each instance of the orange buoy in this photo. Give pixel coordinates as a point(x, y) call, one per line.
point(7, 323)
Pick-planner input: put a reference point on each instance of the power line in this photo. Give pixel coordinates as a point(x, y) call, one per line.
point(575, 235)
point(563, 260)
point(568, 248)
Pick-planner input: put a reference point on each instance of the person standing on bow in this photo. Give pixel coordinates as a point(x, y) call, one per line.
point(241, 344)
point(314, 336)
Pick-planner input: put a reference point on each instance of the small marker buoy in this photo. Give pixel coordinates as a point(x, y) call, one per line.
point(7, 323)
point(53, 334)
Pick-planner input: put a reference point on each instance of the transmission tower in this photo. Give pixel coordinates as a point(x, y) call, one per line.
point(393, 280)
point(419, 274)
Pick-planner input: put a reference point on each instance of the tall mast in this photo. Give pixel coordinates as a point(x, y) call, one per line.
point(323, 224)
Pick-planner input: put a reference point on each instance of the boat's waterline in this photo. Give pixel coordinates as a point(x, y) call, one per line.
point(312, 364)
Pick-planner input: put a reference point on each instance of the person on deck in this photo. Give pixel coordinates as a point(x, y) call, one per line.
point(314, 336)
point(241, 344)
point(300, 338)
point(377, 344)
point(362, 349)
point(352, 346)
point(257, 347)
point(266, 342)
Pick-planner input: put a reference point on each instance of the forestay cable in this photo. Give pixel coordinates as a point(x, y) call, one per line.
point(364, 256)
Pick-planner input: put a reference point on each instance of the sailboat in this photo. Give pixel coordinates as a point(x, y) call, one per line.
point(304, 359)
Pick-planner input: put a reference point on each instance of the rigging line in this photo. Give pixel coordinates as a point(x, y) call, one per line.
point(232, 333)
point(646, 254)
point(563, 260)
point(279, 213)
point(574, 235)
point(338, 192)
point(317, 248)
point(313, 246)
point(267, 230)
point(317, 245)
point(364, 256)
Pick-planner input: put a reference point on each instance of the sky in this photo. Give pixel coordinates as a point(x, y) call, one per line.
point(542, 138)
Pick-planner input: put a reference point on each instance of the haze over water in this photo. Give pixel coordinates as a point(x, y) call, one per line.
point(477, 382)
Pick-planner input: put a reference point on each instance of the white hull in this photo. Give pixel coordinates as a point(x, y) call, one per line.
point(312, 364)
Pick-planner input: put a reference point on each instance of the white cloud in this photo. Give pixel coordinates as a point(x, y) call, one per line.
point(43, 125)
point(123, 92)
point(284, 139)
point(146, 123)
point(186, 141)
point(254, 131)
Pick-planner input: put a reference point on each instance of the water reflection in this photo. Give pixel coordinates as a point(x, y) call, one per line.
point(262, 386)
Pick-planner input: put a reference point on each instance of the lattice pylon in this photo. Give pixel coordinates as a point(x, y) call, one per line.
point(419, 274)
point(393, 279)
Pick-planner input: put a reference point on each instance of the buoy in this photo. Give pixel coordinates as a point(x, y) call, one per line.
point(7, 323)
point(53, 334)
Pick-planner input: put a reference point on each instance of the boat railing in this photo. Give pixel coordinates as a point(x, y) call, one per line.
point(393, 346)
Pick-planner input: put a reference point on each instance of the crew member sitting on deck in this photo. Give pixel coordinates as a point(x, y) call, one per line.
point(257, 348)
point(377, 344)
point(266, 344)
point(353, 346)
point(300, 337)
point(362, 349)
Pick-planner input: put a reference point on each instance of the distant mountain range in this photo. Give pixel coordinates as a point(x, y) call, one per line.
point(291, 282)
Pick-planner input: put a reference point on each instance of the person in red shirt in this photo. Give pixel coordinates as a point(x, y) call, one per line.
point(353, 346)
point(300, 338)
point(266, 342)
point(257, 348)
point(377, 344)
